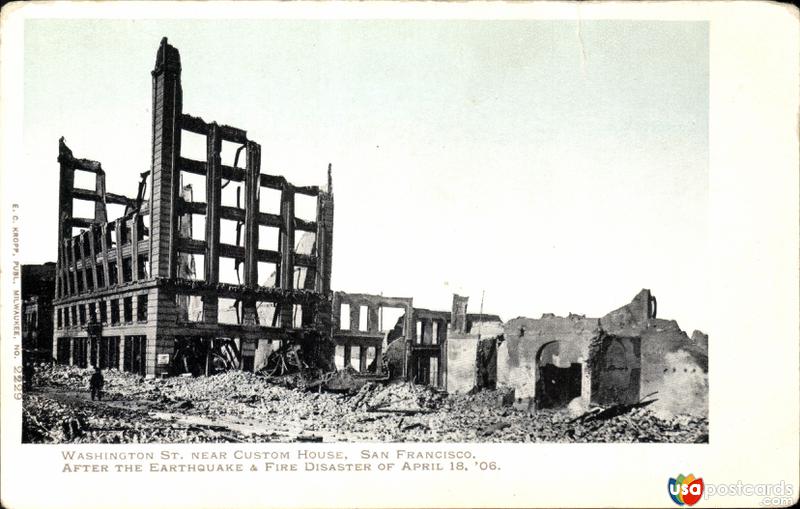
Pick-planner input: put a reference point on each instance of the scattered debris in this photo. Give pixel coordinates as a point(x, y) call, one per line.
point(237, 406)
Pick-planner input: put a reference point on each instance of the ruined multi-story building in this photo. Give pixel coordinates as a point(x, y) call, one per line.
point(158, 290)
point(414, 340)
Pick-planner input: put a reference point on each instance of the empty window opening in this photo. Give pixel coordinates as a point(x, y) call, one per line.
point(307, 244)
point(297, 316)
point(193, 146)
point(305, 207)
point(97, 234)
point(265, 312)
point(87, 247)
point(112, 273)
point(193, 187)
point(111, 236)
point(231, 271)
point(344, 317)
point(388, 318)
point(192, 226)
point(66, 317)
point(84, 180)
point(228, 151)
point(142, 231)
point(141, 308)
point(82, 208)
point(269, 200)
point(127, 270)
point(80, 281)
point(82, 314)
point(92, 312)
point(114, 311)
point(299, 278)
point(89, 280)
point(229, 311)
point(114, 211)
point(190, 307)
point(127, 307)
point(363, 316)
point(59, 320)
point(191, 266)
point(103, 316)
point(101, 279)
point(126, 233)
point(338, 357)
point(268, 237)
point(370, 355)
point(232, 194)
point(355, 355)
point(231, 232)
point(267, 273)
point(143, 266)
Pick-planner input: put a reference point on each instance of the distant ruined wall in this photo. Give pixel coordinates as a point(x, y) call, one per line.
point(463, 363)
point(461, 356)
point(665, 359)
point(525, 337)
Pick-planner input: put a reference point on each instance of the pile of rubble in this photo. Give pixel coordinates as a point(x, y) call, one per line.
point(242, 406)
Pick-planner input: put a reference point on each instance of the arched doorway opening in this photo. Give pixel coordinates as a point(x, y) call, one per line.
point(558, 380)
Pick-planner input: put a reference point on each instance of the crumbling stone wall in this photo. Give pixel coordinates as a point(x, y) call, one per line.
point(676, 367)
point(471, 356)
point(669, 363)
point(517, 356)
point(614, 369)
point(461, 365)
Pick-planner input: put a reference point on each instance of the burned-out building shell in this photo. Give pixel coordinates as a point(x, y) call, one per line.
point(144, 292)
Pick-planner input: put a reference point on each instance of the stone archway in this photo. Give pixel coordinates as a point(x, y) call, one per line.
point(616, 371)
point(557, 382)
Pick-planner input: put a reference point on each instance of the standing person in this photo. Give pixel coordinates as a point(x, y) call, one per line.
point(96, 384)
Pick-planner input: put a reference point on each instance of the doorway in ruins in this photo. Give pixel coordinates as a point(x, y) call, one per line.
point(559, 380)
point(425, 368)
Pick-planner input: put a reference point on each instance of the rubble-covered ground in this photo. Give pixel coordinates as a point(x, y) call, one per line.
point(245, 407)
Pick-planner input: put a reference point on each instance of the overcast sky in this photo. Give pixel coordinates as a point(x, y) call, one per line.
point(559, 167)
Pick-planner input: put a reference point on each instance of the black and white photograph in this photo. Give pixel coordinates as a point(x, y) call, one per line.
point(401, 232)
point(209, 301)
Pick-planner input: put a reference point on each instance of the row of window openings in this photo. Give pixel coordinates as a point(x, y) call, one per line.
point(112, 238)
point(142, 272)
point(81, 314)
point(344, 323)
point(192, 266)
point(193, 226)
point(232, 194)
point(231, 311)
point(388, 317)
